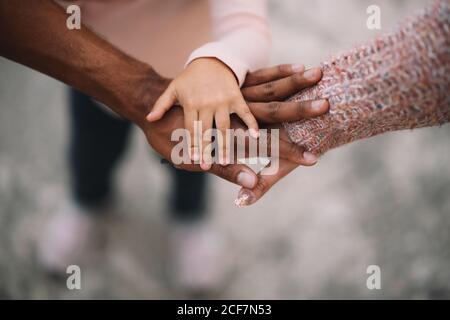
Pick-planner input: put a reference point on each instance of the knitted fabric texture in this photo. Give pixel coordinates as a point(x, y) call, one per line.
point(397, 81)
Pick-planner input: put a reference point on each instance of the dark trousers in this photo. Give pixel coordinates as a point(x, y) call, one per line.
point(98, 141)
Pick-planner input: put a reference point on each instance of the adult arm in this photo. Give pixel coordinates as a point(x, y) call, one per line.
point(399, 81)
point(34, 33)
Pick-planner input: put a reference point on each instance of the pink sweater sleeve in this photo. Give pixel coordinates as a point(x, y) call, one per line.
point(241, 34)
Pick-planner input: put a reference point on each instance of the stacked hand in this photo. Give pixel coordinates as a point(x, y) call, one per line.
point(131, 88)
point(264, 91)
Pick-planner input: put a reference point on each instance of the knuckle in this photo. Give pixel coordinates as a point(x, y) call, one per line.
point(262, 185)
point(222, 124)
point(257, 76)
point(223, 171)
point(217, 99)
point(206, 103)
point(269, 89)
point(284, 68)
point(297, 79)
point(189, 126)
point(273, 109)
point(187, 131)
point(234, 97)
point(246, 92)
point(190, 107)
point(172, 86)
point(301, 109)
point(222, 128)
point(245, 111)
point(221, 135)
point(218, 170)
point(295, 152)
point(189, 102)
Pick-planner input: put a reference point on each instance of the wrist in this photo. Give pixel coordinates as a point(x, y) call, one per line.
point(140, 87)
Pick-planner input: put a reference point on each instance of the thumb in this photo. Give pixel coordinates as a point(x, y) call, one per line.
point(163, 104)
point(248, 197)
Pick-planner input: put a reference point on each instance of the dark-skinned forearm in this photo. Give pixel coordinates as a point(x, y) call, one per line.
point(34, 33)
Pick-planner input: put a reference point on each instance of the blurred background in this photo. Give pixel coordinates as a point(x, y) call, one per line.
point(384, 201)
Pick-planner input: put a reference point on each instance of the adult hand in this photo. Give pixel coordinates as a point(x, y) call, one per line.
point(159, 136)
point(265, 91)
point(130, 87)
point(275, 84)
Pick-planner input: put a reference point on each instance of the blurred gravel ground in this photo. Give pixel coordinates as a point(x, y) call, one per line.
point(384, 201)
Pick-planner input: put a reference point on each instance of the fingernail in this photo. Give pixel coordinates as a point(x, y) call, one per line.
point(149, 115)
point(309, 157)
point(245, 198)
point(245, 179)
point(254, 133)
point(311, 74)
point(317, 105)
point(224, 161)
point(205, 166)
point(298, 67)
point(195, 155)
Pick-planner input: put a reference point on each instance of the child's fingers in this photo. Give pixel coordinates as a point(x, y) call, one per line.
point(191, 125)
point(163, 104)
point(243, 111)
point(206, 120)
point(222, 118)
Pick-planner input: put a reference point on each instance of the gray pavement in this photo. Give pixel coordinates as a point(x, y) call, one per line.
point(384, 201)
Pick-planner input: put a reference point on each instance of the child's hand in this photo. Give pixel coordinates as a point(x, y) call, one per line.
point(207, 90)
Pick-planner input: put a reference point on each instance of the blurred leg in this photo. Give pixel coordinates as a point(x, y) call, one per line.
point(188, 195)
point(97, 142)
point(196, 247)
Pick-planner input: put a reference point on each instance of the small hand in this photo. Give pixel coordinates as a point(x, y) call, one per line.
point(208, 91)
point(283, 81)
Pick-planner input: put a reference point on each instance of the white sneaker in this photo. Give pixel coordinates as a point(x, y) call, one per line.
point(69, 237)
point(197, 262)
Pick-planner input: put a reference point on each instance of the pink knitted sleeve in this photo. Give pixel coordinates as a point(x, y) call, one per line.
point(242, 36)
point(398, 81)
